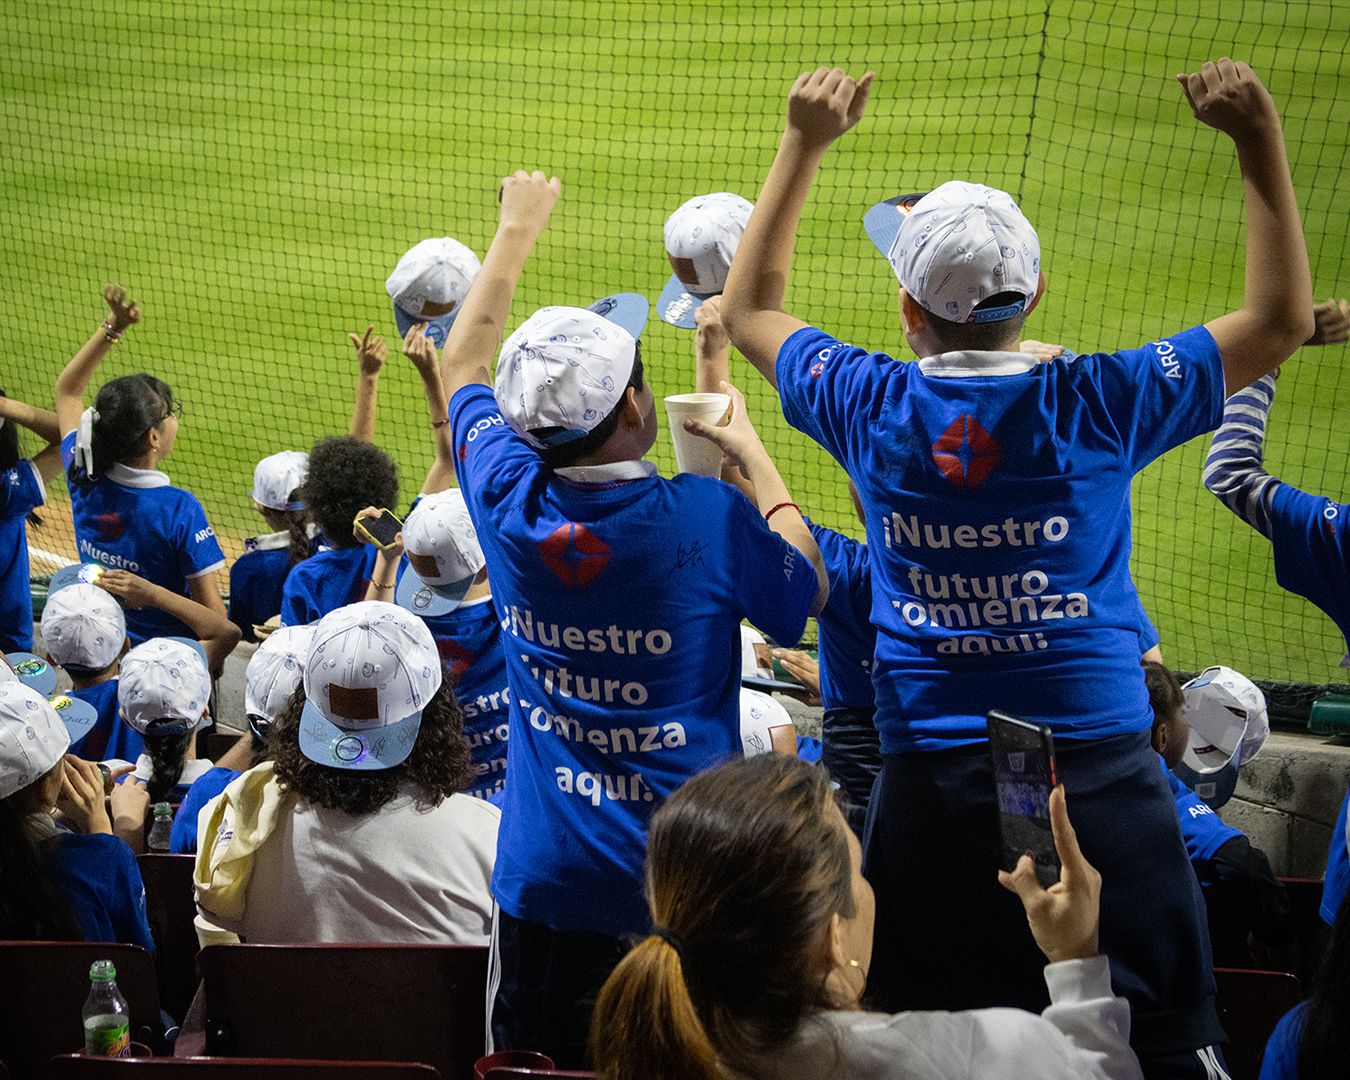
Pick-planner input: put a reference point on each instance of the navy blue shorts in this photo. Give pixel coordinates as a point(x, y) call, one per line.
point(948, 936)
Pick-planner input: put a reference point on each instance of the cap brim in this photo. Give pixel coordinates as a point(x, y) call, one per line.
point(33, 671)
point(676, 304)
point(883, 221)
point(324, 743)
point(437, 329)
point(421, 598)
point(78, 716)
point(1206, 759)
point(1213, 789)
point(628, 310)
point(67, 575)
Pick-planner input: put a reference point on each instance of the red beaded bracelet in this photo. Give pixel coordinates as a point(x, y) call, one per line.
point(780, 506)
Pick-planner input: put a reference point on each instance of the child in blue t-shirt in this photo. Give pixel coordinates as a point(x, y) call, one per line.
point(620, 595)
point(258, 576)
point(22, 489)
point(127, 514)
point(997, 496)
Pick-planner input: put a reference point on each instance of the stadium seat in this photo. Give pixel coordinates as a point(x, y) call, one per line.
point(509, 1073)
point(43, 991)
point(217, 742)
point(170, 909)
point(388, 1002)
point(76, 1067)
point(1250, 1005)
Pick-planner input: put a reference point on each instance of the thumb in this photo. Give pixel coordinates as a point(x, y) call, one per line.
point(1022, 880)
point(703, 431)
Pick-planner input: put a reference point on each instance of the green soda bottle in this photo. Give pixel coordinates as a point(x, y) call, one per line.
point(107, 1020)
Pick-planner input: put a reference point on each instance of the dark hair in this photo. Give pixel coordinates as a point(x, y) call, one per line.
point(745, 869)
point(166, 751)
point(32, 908)
point(1324, 1043)
point(128, 407)
point(345, 476)
point(1164, 691)
point(561, 456)
point(977, 337)
point(438, 766)
point(9, 443)
point(295, 523)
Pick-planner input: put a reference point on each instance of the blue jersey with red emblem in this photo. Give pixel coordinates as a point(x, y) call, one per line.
point(621, 595)
point(21, 490)
point(134, 519)
point(997, 496)
point(329, 579)
point(469, 640)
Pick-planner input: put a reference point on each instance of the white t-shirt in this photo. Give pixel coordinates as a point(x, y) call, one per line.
point(401, 875)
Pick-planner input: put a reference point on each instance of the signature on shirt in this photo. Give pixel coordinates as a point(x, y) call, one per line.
point(687, 556)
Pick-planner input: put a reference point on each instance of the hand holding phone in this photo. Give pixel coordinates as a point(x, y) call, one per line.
point(378, 526)
point(1024, 776)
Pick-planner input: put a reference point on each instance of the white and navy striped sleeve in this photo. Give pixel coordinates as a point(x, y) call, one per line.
point(1234, 471)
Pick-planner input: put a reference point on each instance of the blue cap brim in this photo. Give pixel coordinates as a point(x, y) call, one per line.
point(33, 671)
point(73, 575)
point(437, 329)
point(676, 304)
point(78, 716)
point(628, 310)
point(324, 743)
point(883, 221)
point(1214, 789)
point(415, 595)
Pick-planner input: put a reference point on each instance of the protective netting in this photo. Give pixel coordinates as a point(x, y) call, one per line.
point(252, 171)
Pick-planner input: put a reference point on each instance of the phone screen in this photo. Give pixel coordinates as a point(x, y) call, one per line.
point(382, 529)
point(1024, 775)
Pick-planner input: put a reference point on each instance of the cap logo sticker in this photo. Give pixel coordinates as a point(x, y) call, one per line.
point(349, 749)
point(575, 554)
point(353, 702)
point(678, 308)
point(966, 453)
point(30, 668)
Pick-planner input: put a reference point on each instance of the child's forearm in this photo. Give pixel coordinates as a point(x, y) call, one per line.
point(769, 493)
point(212, 628)
point(40, 421)
point(442, 471)
point(75, 376)
point(362, 426)
point(1234, 471)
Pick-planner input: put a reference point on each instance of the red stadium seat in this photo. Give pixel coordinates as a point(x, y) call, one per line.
point(1250, 1005)
point(386, 1002)
point(509, 1073)
point(75, 1067)
point(43, 990)
point(170, 909)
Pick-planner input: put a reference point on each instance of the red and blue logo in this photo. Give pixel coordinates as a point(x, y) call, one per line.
point(966, 453)
point(575, 554)
point(110, 526)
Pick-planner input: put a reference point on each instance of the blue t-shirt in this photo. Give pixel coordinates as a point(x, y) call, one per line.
point(997, 498)
point(183, 834)
point(470, 643)
point(20, 491)
point(98, 875)
point(1280, 1061)
point(257, 579)
point(134, 519)
point(111, 737)
point(1310, 536)
point(847, 637)
point(621, 604)
point(329, 579)
point(1337, 882)
point(1201, 828)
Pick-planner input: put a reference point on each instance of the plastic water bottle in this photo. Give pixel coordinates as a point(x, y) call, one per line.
point(161, 829)
point(107, 1020)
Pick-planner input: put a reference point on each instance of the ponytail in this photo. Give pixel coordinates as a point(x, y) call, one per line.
point(645, 1022)
point(166, 751)
point(297, 524)
point(124, 411)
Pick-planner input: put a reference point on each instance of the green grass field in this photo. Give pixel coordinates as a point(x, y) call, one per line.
point(253, 170)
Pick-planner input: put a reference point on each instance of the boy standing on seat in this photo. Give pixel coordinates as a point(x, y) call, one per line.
point(614, 585)
point(996, 491)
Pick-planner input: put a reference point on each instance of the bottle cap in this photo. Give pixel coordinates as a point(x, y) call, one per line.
point(163, 810)
point(102, 971)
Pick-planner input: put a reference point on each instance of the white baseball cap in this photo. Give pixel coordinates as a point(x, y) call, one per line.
point(761, 717)
point(429, 285)
point(957, 246)
point(1227, 715)
point(372, 669)
point(83, 627)
point(78, 716)
point(276, 476)
point(443, 554)
point(32, 737)
point(701, 240)
point(164, 683)
point(273, 673)
point(565, 368)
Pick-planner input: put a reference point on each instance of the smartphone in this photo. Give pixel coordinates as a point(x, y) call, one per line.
point(379, 531)
point(1024, 776)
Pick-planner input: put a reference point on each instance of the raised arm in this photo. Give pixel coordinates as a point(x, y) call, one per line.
point(476, 334)
point(217, 634)
point(75, 376)
point(712, 368)
point(1276, 315)
point(42, 422)
point(370, 354)
point(420, 349)
point(1234, 470)
point(822, 105)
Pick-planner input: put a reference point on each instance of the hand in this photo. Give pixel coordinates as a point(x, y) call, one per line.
point(1229, 97)
point(710, 336)
point(134, 592)
point(527, 200)
point(420, 349)
point(1331, 322)
point(737, 438)
point(1064, 917)
point(130, 801)
point(81, 798)
point(394, 551)
point(370, 351)
point(122, 312)
point(804, 668)
point(825, 103)
point(1040, 350)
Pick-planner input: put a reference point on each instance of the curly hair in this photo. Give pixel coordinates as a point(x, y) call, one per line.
point(345, 476)
point(439, 765)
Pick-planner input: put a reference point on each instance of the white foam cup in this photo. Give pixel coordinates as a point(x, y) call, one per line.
point(693, 454)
